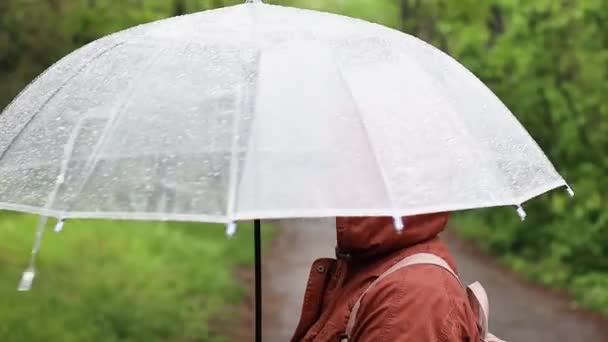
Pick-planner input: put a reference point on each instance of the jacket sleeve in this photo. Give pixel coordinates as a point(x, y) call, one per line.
point(420, 303)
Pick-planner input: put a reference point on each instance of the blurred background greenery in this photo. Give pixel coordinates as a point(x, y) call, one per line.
point(546, 59)
point(123, 281)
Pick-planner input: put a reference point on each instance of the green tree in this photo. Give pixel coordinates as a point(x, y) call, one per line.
point(548, 61)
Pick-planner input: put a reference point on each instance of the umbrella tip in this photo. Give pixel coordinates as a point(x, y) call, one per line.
point(521, 212)
point(398, 223)
point(59, 225)
point(231, 229)
point(570, 191)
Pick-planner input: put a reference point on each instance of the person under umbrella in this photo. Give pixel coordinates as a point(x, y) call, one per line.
point(415, 302)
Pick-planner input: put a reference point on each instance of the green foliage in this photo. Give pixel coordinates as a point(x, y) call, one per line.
point(548, 61)
point(121, 281)
point(385, 12)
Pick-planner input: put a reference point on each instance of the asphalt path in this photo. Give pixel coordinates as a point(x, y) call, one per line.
point(520, 312)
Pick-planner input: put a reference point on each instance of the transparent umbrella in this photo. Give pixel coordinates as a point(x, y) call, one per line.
point(258, 111)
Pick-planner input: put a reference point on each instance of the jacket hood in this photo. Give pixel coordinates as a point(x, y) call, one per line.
point(361, 237)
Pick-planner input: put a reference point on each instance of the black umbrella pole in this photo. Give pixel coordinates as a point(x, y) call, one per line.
point(257, 227)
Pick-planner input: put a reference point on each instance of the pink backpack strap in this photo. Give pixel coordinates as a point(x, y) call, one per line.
point(416, 259)
point(475, 291)
point(479, 297)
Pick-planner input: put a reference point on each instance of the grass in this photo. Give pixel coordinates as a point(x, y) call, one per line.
point(121, 281)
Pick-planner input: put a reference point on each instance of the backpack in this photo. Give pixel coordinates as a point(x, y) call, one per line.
point(476, 293)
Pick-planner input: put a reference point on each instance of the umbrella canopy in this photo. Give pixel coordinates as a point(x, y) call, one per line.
point(262, 111)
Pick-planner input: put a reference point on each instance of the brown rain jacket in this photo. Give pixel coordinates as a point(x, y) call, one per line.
point(419, 303)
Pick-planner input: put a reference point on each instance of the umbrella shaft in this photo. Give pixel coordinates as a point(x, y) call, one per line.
point(258, 280)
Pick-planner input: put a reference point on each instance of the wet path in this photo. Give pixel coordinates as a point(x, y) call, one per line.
point(519, 312)
point(285, 273)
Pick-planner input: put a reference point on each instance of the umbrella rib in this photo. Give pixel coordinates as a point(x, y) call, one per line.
point(93, 162)
point(233, 167)
point(247, 103)
point(245, 98)
point(232, 182)
point(367, 134)
point(52, 96)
